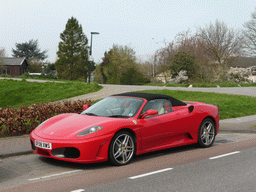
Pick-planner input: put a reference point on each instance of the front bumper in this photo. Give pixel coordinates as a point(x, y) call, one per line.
point(79, 151)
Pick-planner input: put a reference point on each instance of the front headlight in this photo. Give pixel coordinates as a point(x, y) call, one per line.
point(41, 124)
point(90, 130)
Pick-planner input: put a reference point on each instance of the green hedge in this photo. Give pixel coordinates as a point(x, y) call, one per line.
point(23, 120)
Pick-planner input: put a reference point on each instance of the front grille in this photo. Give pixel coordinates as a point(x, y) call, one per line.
point(43, 152)
point(66, 152)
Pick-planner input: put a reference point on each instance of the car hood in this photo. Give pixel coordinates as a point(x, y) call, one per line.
point(69, 125)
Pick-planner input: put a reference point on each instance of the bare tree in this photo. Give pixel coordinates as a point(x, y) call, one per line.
point(221, 44)
point(192, 42)
point(163, 59)
point(2, 54)
point(250, 34)
point(212, 46)
point(188, 42)
point(146, 68)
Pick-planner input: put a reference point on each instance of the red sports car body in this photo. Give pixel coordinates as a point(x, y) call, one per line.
point(122, 125)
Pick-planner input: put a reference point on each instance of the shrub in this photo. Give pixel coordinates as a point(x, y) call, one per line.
point(23, 120)
point(4, 75)
point(42, 76)
point(133, 77)
point(181, 77)
point(239, 75)
point(183, 61)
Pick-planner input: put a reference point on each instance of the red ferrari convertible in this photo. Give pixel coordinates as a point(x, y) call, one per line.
point(123, 125)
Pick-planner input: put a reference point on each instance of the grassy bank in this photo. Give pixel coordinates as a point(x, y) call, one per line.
point(230, 106)
point(204, 84)
point(16, 93)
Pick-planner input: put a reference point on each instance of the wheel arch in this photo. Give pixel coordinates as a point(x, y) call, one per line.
point(214, 121)
point(210, 117)
point(129, 131)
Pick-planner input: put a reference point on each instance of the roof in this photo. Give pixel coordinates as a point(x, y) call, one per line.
point(243, 62)
point(151, 96)
point(13, 61)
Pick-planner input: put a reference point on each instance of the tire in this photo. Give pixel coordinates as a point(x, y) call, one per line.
point(206, 133)
point(122, 148)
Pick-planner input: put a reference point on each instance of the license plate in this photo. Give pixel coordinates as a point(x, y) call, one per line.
point(43, 145)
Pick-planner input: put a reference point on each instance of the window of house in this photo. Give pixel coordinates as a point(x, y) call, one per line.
point(6, 71)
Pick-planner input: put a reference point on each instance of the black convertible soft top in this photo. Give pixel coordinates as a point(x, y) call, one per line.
point(151, 96)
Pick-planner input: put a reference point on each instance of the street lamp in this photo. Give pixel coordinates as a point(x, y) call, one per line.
point(92, 33)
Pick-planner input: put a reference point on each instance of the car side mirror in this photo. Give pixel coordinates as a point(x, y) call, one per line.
point(149, 113)
point(85, 107)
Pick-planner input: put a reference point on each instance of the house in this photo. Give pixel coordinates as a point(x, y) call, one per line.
point(245, 62)
point(13, 66)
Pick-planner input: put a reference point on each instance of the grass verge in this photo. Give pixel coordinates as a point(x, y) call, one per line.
point(204, 85)
point(15, 93)
point(230, 106)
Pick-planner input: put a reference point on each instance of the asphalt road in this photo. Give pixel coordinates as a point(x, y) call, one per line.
point(114, 89)
point(186, 168)
point(228, 173)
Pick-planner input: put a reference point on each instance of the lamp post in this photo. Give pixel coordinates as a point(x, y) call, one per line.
point(92, 33)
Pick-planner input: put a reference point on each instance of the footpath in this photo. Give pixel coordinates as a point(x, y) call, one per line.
point(20, 145)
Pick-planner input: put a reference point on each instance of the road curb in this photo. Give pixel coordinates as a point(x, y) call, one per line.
point(2, 156)
point(237, 131)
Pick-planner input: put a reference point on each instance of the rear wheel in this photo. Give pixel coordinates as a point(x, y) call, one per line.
point(122, 148)
point(206, 134)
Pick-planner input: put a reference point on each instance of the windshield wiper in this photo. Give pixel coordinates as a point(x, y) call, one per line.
point(122, 116)
point(92, 114)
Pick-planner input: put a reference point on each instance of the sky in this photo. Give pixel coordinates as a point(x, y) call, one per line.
point(143, 25)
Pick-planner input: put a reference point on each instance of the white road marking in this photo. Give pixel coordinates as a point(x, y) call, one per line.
point(151, 173)
point(78, 190)
point(57, 174)
point(224, 155)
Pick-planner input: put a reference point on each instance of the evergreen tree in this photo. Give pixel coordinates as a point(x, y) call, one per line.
point(72, 62)
point(29, 50)
point(119, 67)
point(119, 60)
point(183, 60)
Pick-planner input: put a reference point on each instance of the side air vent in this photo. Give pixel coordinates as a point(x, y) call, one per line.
point(191, 108)
point(33, 145)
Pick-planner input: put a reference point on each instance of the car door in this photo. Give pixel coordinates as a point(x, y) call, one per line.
point(163, 129)
point(155, 128)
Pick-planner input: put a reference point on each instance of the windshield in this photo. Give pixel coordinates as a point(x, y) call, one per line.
point(122, 107)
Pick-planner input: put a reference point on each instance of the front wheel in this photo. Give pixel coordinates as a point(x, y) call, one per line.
point(206, 134)
point(122, 148)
